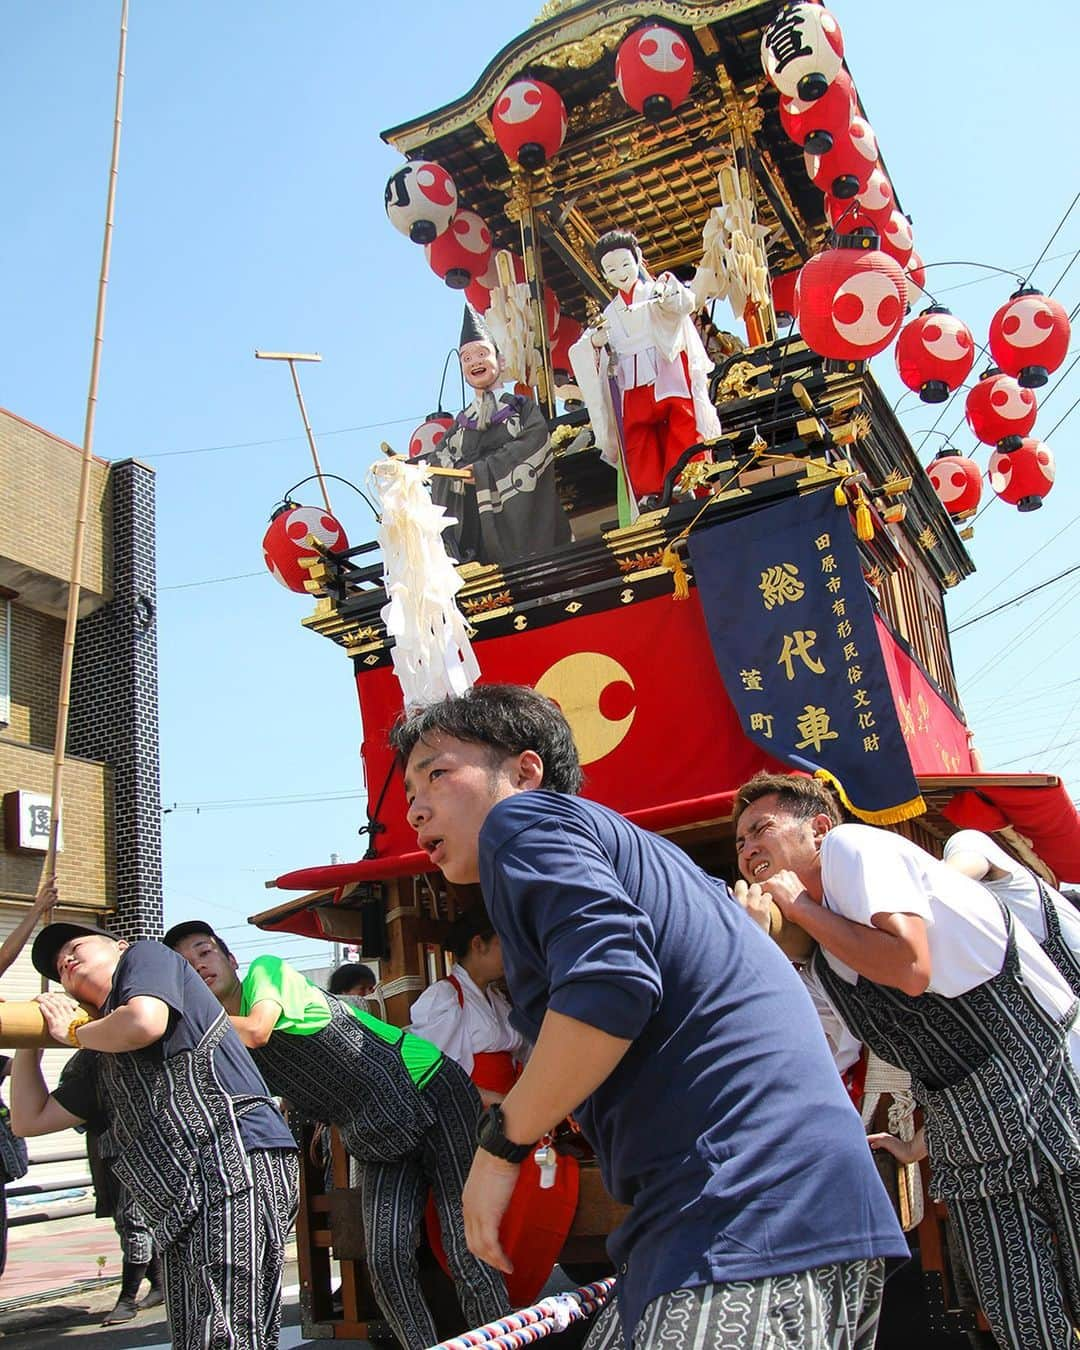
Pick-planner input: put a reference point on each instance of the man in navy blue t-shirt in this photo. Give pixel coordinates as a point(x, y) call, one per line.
point(675, 1031)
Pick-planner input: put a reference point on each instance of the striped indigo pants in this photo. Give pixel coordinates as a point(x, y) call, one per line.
point(1022, 1251)
point(223, 1273)
point(834, 1307)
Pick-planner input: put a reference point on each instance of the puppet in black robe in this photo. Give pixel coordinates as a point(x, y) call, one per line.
point(511, 510)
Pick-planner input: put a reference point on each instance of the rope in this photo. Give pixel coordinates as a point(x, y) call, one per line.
point(404, 984)
point(549, 1316)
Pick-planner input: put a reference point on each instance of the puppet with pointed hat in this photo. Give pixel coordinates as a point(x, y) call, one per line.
point(511, 509)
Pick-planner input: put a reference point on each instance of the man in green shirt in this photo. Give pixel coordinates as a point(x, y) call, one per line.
point(407, 1114)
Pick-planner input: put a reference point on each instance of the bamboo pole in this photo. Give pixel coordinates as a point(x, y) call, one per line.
point(75, 585)
point(292, 358)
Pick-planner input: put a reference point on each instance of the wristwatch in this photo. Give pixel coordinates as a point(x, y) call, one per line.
point(491, 1136)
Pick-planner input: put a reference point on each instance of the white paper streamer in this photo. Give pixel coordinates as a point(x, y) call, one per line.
point(433, 658)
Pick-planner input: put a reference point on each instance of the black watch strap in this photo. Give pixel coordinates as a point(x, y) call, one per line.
point(491, 1136)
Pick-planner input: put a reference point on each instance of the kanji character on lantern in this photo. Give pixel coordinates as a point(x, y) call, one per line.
point(648, 353)
point(1029, 336)
point(420, 200)
point(802, 51)
point(999, 411)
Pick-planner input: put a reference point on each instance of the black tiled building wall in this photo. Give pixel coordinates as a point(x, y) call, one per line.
point(114, 701)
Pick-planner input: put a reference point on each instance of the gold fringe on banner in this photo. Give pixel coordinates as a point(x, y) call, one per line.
point(892, 815)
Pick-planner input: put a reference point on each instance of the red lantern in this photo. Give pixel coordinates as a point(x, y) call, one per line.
point(802, 51)
point(478, 296)
point(846, 168)
point(934, 354)
point(958, 482)
point(783, 288)
point(429, 433)
point(461, 253)
point(654, 70)
point(915, 271)
point(898, 238)
point(420, 200)
point(1029, 336)
point(877, 198)
point(286, 542)
point(529, 121)
point(816, 125)
point(999, 411)
point(851, 301)
point(552, 313)
point(1023, 477)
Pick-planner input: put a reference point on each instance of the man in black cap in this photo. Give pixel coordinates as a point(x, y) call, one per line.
point(511, 509)
point(200, 1145)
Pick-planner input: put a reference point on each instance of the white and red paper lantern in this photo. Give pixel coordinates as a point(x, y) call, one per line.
point(897, 237)
point(569, 332)
point(845, 170)
point(529, 122)
point(957, 481)
point(802, 51)
point(783, 286)
point(287, 538)
point(877, 198)
point(915, 271)
point(1024, 476)
point(851, 301)
point(429, 433)
point(461, 253)
point(934, 354)
point(420, 199)
point(654, 69)
point(816, 125)
point(1029, 336)
point(848, 217)
point(999, 410)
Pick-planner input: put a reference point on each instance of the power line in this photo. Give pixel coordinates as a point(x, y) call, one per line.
point(210, 581)
point(1033, 590)
point(284, 440)
point(238, 803)
point(1026, 632)
point(1057, 231)
point(998, 584)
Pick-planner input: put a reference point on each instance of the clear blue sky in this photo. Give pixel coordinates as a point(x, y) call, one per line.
point(250, 215)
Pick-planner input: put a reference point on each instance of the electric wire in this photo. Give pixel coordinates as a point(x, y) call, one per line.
point(1023, 595)
point(282, 440)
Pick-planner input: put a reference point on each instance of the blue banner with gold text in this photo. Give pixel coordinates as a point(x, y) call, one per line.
point(792, 632)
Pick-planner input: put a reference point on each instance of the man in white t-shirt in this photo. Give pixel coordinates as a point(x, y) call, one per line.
point(1044, 912)
point(926, 967)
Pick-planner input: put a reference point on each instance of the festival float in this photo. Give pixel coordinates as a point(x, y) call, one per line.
point(767, 592)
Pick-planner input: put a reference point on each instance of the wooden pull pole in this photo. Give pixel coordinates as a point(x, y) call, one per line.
point(63, 703)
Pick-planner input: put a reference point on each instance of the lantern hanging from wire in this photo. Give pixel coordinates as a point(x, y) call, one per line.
point(915, 272)
point(1029, 336)
point(851, 301)
point(897, 237)
point(529, 122)
point(461, 253)
point(429, 433)
point(420, 200)
point(783, 286)
point(288, 540)
point(802, 51)
point(877, 198)
point(848, 217)
point(1024, 476)
point(957, 481)
point(654, 69)
point(816, 125)
point(999, 410)
point(934, 354)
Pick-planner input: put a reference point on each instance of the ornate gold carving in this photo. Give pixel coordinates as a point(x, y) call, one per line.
point(482, 604)
point(875, 577)
point(371, 660)
point(607, 106)
point(521, 622)
point(950, 579)
point(695, 475)
point(573, 607)
point(927, 538)
point(860, 427)
point(640, 562)
point(552, 8)
point(626, 596)
point(520, 197)
point(737, 382)
point(587, 51)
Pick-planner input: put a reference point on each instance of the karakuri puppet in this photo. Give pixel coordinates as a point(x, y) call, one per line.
point(511, 509)
point(660, 369)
